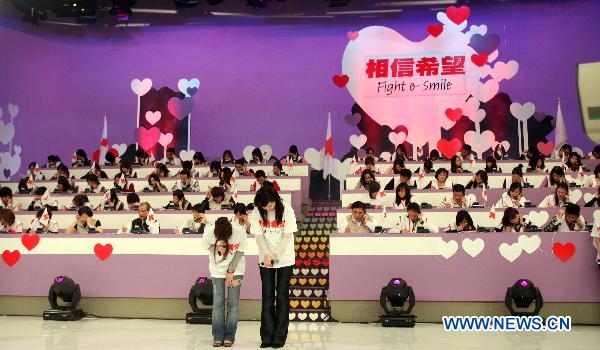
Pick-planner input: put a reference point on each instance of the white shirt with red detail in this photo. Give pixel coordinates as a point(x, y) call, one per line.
point(216, 264)
point(273, 233)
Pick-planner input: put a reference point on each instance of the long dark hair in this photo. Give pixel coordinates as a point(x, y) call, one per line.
point(574, 167)
point(65, 184)
point(464, 215)
point(264, 196)
point(396, 162)
point(407, 191)
point(562, 185)
point(534, 159)
point(223, 232)
point(492, 160)
point(509, 214)
point(226, 179)
point(558, 171)
point(363, 175)
point(453, 166)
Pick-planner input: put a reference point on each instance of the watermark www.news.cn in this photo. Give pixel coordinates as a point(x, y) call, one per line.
point(506, 324)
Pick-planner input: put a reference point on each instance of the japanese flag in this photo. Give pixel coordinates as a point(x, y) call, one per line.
point(151, 159)
point(492, 214)
point(45, 197)
point(30, 182)
point(290, 163)
point(419, 151)
point(74, 158)
point(581, 172)
point(235, 192)
point(421, 175)
point(37, 169)
point(484, 193)
point(384, 213)
point(151, 219)
point(232, 178)
point(93, 167)
point(122, 180)
point(107, 196)
point(45, 218)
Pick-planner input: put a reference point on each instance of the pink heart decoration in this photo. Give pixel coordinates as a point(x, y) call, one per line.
point(546, 148)
point(153, 117)
point(503, 70)
point(504, 144)
point(147, 138)
point(454, 114)
point(480, 142)
point(397, 137)
point(141, 87)
point(180, 108)
point(352, 35)
point(165, 139)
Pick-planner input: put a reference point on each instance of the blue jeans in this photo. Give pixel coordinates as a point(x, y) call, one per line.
point(221, 329)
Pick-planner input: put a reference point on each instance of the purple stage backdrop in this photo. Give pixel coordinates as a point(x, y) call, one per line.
point(262, 81)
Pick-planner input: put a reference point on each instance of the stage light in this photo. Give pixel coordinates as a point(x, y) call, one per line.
point(121, 9)
point(522, 294)
point(201, 290)
point(184, 4)
point(397, 292)
point(68, 291)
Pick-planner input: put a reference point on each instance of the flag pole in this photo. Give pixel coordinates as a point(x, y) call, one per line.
point(329, 175)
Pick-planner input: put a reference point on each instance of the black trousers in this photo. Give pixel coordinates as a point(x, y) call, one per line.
point(274, 317)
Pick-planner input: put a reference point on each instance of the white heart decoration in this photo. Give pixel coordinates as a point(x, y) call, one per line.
point(358, 141)
point(267, 151)
point(341, 169)
point(596, 215)
point(538, 218)
point(7, 132)
point(307, 292)
point(477, 116)
point(485, 91)
point(11, 162)
point(473, 247)
point(575, 196)
point(121, 148)
point(387, 156)
point(492, 57)
point(510, 252)
point(471, 197)
point(184, 84)
point(165, 139)
point(314, 158)
point(313, 316)
point(529, 243)
point(292, 316)
point(474, 29)
point(153, 117)
point(13, 110)
point(247, 152)
point(318, 292)
point(588, 197)
point(185, 155)
point(141, 87)
point(505, 144)
point(296, 292)
point(397, 137)
point(302, 316)
point(446, 249)
point(480, 142)
point(504, 71)
point(522, 111)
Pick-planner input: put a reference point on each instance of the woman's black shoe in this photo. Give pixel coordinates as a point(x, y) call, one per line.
point(265, 345)
point(277, 345)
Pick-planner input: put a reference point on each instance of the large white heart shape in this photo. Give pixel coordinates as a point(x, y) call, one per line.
point(480, 142)
point(510, 252)
point(397, 138)
point(446, 249)
point(538, 218)
point(141, 87)
point(7, 132)
point(358, 141)
point(314, 158)
point(522, 111)
point(504, 71)
point(473, 246)
point(121, 148)
point(529, 243)
point(186, 155)
point(575, 195)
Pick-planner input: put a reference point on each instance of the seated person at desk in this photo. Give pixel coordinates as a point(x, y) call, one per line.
point(463, 223)
point(162, 171)
point(84, 222)
point(516, 176)
point(458, 200)
point(513, 198)
point(93, 185)
point(80, 159)
point(79, 200)
point(53, 161)
point(189, 166)
point(293, 156)
point(9, 223)
point(413, 220)
point(112, 203)
point(154, 184)
point(34, 172)
point(198, 159)
point(141, 158)
point(261, 178)
point(95, 170)
point(466, 153)
point(197, 223)
point(557, 175)
point(567, 219)
point(374, 199)
point(228, 157)
point(396, 167)
point(278, 169)
point(559, 199)
point(512, 221)
point(61, 170)
point(110, 159)
point(6, 200)
point(500, 152)
point(43, 223)
point(441, 181)
point(214, 169)
point(257, 157)
point(126, 170)
point(145, 223)
point(593, 180)
point(403, 197)
point(26, 186)
point(240, 168)
point(405, 175)
point(359, 221)
point(179, 202)
point(536, 164)
point(121, 184)
point(225, 178)
point(216, 198)
point(400, 153)
point(133, 202)
point(366, 177)
point(491, 166)
point(170, 158)
point(574, 162)
point(186, 183)
point(241, 218)
point(64, 186)
point(36, 203)
point(456, 165)
point(479, 180)
point(369, 164)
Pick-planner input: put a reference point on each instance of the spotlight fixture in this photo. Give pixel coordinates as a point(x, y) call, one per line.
point(201, 290)
point(68, 291)
point(523, 293)
point(121, 9)
point(184, 4)
point(397, 292)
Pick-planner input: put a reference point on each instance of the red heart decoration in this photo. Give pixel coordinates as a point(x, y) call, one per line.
point(435, 29)
point(479, 60)
point(11, 258)
point(563, 252)
point(449, 148)
point(316, 262)
point(307, 262)
point(341, 80)
point(458, 15)
point(454, 114)
point(298, 262)
point(103, 251)
point(325, 262)
point(545, 148)
point(30, 241)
